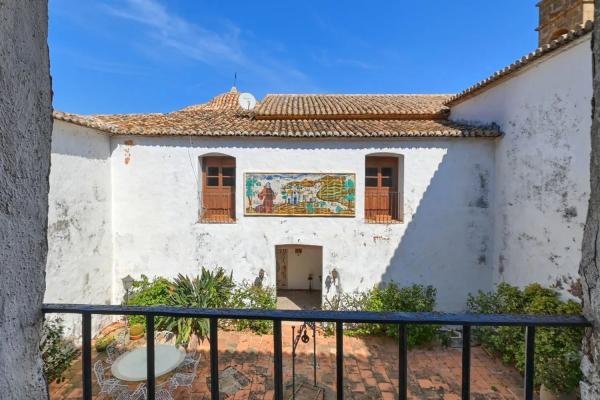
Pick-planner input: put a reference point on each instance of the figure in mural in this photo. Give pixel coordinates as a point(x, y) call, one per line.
point(267, 195)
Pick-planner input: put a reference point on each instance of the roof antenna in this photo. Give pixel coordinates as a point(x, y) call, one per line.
point(235, 79)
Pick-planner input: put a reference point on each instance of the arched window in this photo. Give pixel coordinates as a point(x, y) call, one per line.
point(218, 189)
point(383, 189)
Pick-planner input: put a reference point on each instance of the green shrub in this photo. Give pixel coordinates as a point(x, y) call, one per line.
point(211, 289)
point(57, 352)
point(253, 297)
point(102, 343)
point(505, 341)
point(557, 351)
point(415, 298)
point(147, 292)
point(389, 298)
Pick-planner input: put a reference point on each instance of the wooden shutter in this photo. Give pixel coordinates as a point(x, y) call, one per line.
point(381, 189)
point(218, 189)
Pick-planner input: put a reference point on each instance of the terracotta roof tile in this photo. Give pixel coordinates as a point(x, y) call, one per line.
point(198, 122)
point(295, 116)
point(522, 62)
point(352, 106)
point(225, 101)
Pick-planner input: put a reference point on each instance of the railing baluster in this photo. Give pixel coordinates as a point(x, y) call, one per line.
point(277, 360)
point(86, 355)
point(150, 378)
point(339, 359)
point(214, 358)
point(402, 362)
point(466, 362)
point(529, 361)
point(403, 320)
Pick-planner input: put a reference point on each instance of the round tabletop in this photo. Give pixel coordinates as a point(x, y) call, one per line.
point(131, 366)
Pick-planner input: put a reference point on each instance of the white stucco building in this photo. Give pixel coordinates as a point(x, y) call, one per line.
point(485, 186)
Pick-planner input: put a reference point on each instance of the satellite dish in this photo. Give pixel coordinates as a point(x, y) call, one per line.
point(247, 101)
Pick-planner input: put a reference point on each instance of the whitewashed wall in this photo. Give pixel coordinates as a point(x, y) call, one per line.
point(542, 166)
point(79, 265)
point(445, 240)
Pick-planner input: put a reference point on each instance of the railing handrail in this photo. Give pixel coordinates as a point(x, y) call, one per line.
point(411, 318)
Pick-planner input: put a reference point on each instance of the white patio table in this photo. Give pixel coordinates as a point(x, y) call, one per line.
point(131, 366)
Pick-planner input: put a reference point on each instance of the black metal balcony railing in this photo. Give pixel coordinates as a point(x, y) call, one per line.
point(401, 319)
point(383, 207)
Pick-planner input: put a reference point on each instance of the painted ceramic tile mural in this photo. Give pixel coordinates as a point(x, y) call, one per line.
point(301, 194)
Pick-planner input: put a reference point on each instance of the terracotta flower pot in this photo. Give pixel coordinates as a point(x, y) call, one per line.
point(136, 337)
point(546, 394)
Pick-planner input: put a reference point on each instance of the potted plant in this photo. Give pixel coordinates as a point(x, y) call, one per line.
point(136, 331)
point(103, 342)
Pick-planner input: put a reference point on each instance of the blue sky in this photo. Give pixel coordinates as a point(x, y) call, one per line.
point(133, 56)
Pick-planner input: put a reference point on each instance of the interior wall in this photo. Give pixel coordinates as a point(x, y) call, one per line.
point(310, 261)
point(542, 167)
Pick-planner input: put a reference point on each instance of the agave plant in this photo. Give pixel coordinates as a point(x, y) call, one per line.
point(211, 289)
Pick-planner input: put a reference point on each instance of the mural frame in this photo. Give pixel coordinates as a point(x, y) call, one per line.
point(295, 215)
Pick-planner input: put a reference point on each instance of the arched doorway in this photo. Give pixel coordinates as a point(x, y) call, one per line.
point(299, 276)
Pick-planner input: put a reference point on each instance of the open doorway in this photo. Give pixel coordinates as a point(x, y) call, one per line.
point(299, 276)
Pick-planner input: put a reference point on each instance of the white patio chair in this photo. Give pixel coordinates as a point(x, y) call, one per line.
point(112, 352)
point(121, 337)
point(165, 390)
point(190, 362)
point(186, 379)
point(164, 337)
point(108, 386)
point(140, 393)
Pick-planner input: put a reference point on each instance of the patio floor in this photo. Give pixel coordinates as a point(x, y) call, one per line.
point(370, 370)
point(298, 299)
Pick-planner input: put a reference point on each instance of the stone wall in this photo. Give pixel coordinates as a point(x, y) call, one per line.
point(25, 134)
point(590, 262)
point(559, 16)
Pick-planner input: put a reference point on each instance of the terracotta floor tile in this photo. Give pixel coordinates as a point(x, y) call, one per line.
point(370, 369)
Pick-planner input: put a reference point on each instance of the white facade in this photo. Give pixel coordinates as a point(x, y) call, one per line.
point(79, 264)
point(476, 212)
point(447, 220)
point(542, 166)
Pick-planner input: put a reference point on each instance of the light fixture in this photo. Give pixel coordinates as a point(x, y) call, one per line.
point(127, 282)
point(335, 275)
point(298, 251)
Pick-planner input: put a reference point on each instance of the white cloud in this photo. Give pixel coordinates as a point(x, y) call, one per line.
point(193, 41)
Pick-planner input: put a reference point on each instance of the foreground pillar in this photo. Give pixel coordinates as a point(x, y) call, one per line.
point(590, 264)
point(25, 132)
